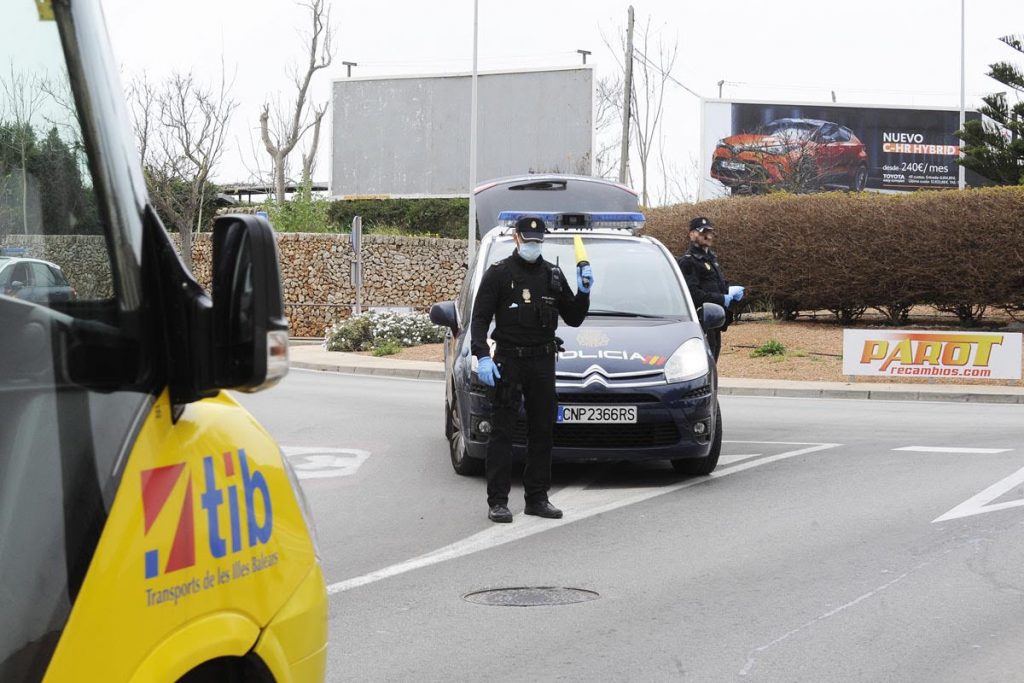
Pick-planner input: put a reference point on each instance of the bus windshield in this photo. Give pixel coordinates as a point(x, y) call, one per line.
point(59, 441)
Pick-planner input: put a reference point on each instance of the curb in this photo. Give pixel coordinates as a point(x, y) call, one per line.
point(876, 394)
point(399, 372)
point(733, 388)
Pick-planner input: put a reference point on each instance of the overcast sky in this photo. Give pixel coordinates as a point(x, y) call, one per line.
point(904, 52)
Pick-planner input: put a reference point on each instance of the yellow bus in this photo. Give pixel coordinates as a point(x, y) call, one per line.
point(150, 529)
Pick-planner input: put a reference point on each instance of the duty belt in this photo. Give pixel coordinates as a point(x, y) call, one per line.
point(548, 349)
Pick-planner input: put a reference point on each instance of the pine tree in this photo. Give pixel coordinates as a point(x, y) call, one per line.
point(993, 146)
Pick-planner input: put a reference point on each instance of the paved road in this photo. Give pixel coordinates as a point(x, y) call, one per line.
point(838, 540)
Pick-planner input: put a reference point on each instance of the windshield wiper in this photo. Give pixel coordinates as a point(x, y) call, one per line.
point(621, 314)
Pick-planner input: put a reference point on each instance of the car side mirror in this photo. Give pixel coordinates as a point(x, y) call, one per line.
point(16, 285)
point(711, 316)
point(250, 331)
point(444, 314)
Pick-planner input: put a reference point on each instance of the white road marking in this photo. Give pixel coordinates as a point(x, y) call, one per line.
point(953, 449)
point(736, 457)
point(982, 502)
point(317, 462)
point(577, 502)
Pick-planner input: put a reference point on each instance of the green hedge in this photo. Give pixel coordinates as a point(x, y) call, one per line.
point(846, 252)
point(437, 217)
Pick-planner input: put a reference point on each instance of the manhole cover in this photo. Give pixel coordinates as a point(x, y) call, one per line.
point(530, 596)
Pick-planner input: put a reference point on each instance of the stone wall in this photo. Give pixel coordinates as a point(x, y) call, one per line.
point(412, 272)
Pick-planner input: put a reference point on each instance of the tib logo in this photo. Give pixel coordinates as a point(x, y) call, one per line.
point(218, 489)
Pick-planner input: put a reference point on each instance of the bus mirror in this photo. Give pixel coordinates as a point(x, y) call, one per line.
point(711, 316)
point(250, 332)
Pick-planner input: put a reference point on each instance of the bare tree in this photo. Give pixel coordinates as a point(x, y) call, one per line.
point(281, 135)
point(678, 183)
point(652, 70)
point(607, 126)
point(24, 95)
point(180, 127)
point(650, 76)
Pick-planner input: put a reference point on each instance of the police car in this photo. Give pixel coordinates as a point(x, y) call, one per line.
point(637, 380)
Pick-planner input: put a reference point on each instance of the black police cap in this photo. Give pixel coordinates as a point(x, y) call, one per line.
point(700, 224)
point(531, 228)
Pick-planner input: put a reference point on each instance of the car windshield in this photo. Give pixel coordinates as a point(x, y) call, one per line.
point(630, 276)
point(790, 129)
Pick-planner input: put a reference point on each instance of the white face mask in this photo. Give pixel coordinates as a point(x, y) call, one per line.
point(530, 251)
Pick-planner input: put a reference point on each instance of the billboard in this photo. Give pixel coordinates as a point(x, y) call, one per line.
point(975, 355)
point(752, 147)
point(409, 136)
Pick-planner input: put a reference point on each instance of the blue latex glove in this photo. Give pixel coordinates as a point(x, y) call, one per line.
point(584, 272)
point(487, 371)
point(728, 299)
point(736, 292)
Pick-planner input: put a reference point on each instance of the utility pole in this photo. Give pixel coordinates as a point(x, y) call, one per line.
point(720, 84)
point(628, 91)
point(584, 53)
point(349, 65)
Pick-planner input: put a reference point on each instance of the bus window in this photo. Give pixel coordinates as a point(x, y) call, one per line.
point(60, 442)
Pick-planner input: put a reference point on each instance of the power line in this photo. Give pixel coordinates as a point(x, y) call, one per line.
point(668, 75)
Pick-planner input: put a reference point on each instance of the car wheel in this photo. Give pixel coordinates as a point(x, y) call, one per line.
point(707, 464)
point(461, 462)
point(859, 180)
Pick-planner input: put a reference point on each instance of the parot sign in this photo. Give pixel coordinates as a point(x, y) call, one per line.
point(973, 355)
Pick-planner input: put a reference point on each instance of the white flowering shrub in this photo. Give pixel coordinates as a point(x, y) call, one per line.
point(370, 330)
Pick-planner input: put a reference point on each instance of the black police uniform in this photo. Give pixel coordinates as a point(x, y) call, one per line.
point(525, 299)
point(707, 284)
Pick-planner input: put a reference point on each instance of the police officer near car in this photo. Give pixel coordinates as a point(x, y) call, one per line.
point(524, 295)
point(704, 277)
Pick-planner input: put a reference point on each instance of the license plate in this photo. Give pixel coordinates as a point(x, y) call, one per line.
point(596, 414)
point(734, 165)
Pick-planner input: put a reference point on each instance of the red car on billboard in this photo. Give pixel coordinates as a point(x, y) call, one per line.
point(798, 155)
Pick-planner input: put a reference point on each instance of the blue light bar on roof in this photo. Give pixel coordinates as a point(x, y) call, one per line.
point(13, 251)
point(566, 220)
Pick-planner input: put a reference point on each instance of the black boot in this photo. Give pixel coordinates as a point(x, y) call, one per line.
point(543, 508)
point(501, 514)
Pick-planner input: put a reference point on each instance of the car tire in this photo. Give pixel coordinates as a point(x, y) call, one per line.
point(461, 462)
point(707, 464)
point(859, 180)
point(448, 419)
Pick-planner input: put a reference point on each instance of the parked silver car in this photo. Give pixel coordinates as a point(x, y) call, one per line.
point(33, 280)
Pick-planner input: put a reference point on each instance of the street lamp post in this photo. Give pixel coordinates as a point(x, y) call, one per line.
point(471, 231)
point(963, 88)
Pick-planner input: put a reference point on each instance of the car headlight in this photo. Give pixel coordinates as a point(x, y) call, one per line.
point(689, 361)
point(775, 150)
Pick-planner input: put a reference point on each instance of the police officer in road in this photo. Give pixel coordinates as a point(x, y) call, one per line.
point(704, 277)
point(525, 295)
